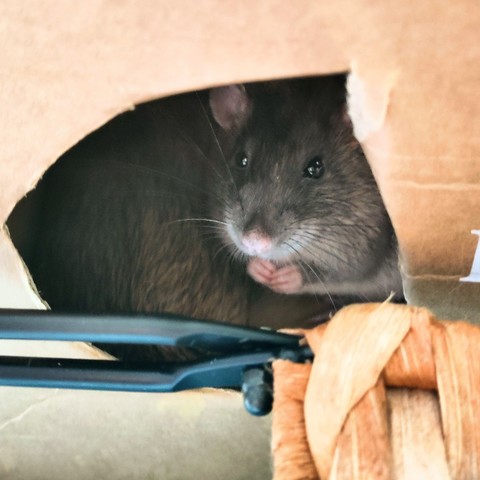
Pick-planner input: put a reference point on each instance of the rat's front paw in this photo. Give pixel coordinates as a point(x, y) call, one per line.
point(261, 270)
point(287, 279)
point(281, 280)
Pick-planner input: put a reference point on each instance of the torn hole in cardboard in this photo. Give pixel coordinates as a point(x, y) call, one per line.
point(150, 171)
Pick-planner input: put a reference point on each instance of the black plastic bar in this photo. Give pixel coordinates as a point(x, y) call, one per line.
point(155, 329)
point(235, 348)
point(224, 372)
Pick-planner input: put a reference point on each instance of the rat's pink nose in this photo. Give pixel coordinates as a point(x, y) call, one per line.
point(256, 242)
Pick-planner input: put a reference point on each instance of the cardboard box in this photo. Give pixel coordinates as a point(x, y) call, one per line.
point(68, 67)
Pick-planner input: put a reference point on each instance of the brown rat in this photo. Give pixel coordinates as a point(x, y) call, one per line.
point(303, 207)
point(123, 224)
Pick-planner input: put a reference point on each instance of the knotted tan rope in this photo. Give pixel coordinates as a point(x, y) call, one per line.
point(392, 393)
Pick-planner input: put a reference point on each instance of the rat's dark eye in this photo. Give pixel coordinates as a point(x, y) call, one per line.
point(241, 160)
point(314, 168)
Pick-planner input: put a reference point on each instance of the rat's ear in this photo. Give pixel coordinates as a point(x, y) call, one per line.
point(231, 106)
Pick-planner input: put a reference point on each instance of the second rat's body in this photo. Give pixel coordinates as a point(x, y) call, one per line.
point(304, 207)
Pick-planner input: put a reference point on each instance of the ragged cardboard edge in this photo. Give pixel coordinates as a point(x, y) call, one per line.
point(87, 350)
point(17, 290)
point(49, 157)
point(368, 99)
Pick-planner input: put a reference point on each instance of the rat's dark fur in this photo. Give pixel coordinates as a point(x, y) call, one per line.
point(335, 228)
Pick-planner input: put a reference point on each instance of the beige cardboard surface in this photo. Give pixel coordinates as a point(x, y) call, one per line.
point(15, 284)
point(67, 67)
point(80, 435)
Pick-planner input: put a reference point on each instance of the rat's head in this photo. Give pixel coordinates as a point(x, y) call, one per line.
point(299, 188)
